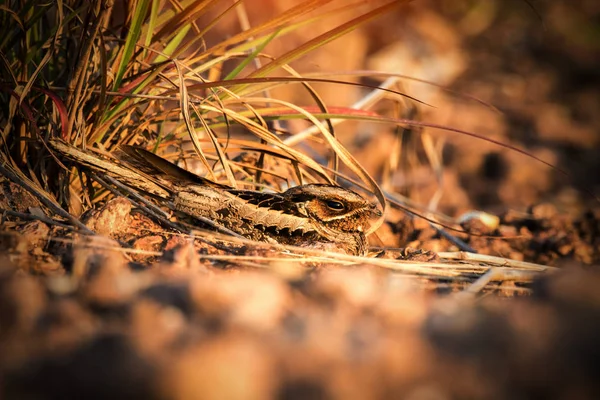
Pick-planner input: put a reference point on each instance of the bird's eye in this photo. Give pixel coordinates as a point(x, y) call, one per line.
point(335, 205)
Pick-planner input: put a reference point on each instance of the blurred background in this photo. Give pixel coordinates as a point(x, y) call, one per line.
point(534, 64)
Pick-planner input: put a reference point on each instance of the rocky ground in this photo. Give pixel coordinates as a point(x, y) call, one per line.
point(81, 318)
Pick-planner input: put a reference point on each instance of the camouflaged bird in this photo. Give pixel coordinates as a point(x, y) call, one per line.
point(314, 215)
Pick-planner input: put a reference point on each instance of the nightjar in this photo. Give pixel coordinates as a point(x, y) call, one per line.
point(313, 215)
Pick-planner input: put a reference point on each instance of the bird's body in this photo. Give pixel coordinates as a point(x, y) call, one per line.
point(316, 215)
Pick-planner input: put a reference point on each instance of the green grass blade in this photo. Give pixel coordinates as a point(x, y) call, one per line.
point(173, 44)
point(132, 37)
point(149, 28)
point(236, 71)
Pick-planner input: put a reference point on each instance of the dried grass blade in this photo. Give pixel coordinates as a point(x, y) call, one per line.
point(273, 23)
point(184, 102)
point(19, 178)
point(325, 38)
point(184, 17)
point(270, 138)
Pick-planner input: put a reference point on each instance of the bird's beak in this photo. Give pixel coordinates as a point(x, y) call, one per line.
point(375, 211)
